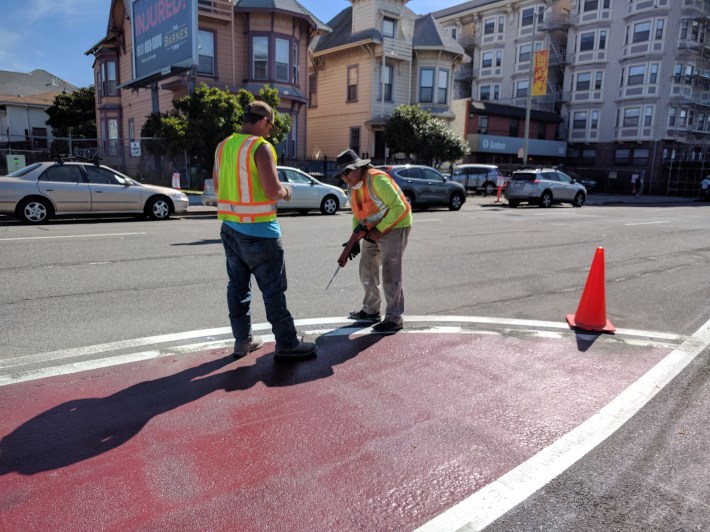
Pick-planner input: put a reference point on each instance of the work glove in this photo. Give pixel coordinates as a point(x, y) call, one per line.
point(355, 251)
point(373, 235)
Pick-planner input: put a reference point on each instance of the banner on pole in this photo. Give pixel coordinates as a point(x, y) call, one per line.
point(541, 61)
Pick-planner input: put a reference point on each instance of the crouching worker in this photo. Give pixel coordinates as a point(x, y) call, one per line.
point(378, 202)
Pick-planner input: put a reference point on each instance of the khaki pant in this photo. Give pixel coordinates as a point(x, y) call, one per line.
point(386, 254)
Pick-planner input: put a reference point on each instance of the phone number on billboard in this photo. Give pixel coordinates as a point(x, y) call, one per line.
point(150, 45)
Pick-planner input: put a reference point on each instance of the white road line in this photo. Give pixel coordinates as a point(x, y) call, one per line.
point(67, 236)
point(491, 502)
point(649, 223)
point(105, 358)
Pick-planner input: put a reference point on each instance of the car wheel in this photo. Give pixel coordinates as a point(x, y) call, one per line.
point(456, 201)
point(410, 198)
point(513, 204)
point(546, 199)
point(158, 208)
point(579, 199)
point(329, 205)
point(489, 189)
point(35, 211)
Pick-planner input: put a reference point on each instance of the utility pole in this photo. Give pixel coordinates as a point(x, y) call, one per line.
point(528, 100)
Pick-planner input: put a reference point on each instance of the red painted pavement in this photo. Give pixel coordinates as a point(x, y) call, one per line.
point(377, 433)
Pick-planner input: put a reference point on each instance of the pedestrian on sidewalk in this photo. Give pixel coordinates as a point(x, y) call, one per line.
point(378, 202)
point(248, 187)
point(637, 185)
point(704, 190)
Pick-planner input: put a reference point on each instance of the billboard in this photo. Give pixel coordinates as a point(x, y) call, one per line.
point(164, 36)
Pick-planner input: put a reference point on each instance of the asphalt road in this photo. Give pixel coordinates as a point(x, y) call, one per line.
point(69, 284)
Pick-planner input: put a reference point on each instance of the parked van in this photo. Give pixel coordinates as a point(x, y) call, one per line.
point(477, 177)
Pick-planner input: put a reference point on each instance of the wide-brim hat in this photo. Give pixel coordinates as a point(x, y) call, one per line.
point(348, 160)
point(264, 110)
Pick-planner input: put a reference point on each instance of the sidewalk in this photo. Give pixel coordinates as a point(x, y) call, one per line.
point(600, 198)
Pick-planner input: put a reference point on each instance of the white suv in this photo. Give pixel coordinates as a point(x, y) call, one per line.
point(477, 177)
point(544, 186)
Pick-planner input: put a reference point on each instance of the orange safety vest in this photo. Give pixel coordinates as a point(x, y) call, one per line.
point(241, 196)
point(370, 208)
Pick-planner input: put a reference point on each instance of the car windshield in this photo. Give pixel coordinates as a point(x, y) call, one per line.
point(24, 170)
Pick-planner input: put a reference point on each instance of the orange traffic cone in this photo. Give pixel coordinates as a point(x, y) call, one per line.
point(591, 312)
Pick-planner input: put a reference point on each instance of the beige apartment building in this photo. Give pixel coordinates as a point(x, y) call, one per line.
point(629, 78)
point(242, 44)
point(379, 55)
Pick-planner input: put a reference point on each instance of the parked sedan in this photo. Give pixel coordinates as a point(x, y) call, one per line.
point(543, 187)
point(308, 193)
point(40, 191)
point(423, 186)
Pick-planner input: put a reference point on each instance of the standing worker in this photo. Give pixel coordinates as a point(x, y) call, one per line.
point(248, 188)
point(377, 201)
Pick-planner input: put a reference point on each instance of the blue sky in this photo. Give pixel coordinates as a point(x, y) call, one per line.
point(53, 35)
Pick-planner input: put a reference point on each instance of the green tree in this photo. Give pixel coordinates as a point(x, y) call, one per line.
point(441, 145)
point(73, 114)
point(413, 131)
point(403, 129)
point(202, 120)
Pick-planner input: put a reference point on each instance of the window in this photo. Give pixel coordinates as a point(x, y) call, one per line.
point(355, 139)
point(521, 88)
point(524, 53)
point(513, 127)
point(131, 129)
point(312, 91)
point(108, 78)
point(648, 116)
point(485, 93)
point(387, 82)
point(659, 29)
point(671, 117)
point(388, 25)
point(426, 85)
point(579, 120)
point(586, 41)
point(113, 136)
point(443, 86)
point(499, 57)
point(622, 156)
point(642, 32)
point(489, 26)
point(101, 176)
point(677, 71)
point(496, 92)
point(294, 63)
point(598, 80)
point(602, 40)
point(283, 48)
point(636, 75)
point(584, 80)
point(653, 76)
point(65, 173)
point(595, 120)
point(260, 57)
point(205, 53)
point(527, 17)
point(593, 5)
point(640, 157)
point(501, 24)
point(352, 83)
point(483, 124)
point(486, 59)
point(631, 117)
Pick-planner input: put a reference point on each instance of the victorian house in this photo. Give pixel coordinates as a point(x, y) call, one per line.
point(242, 44)
point(379, 55)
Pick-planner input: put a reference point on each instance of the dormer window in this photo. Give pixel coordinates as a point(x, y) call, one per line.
point(388, 25)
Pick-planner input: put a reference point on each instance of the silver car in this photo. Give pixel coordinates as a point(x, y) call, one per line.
point(307, 193)
point(543, 187)
point(41, 191)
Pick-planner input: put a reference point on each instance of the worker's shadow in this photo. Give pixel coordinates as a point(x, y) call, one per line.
point(83, 428)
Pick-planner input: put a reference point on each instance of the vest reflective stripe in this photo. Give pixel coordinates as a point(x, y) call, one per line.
point(372, 209)
point(241, 196)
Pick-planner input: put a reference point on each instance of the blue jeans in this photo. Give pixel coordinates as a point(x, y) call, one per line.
point(263, 258)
